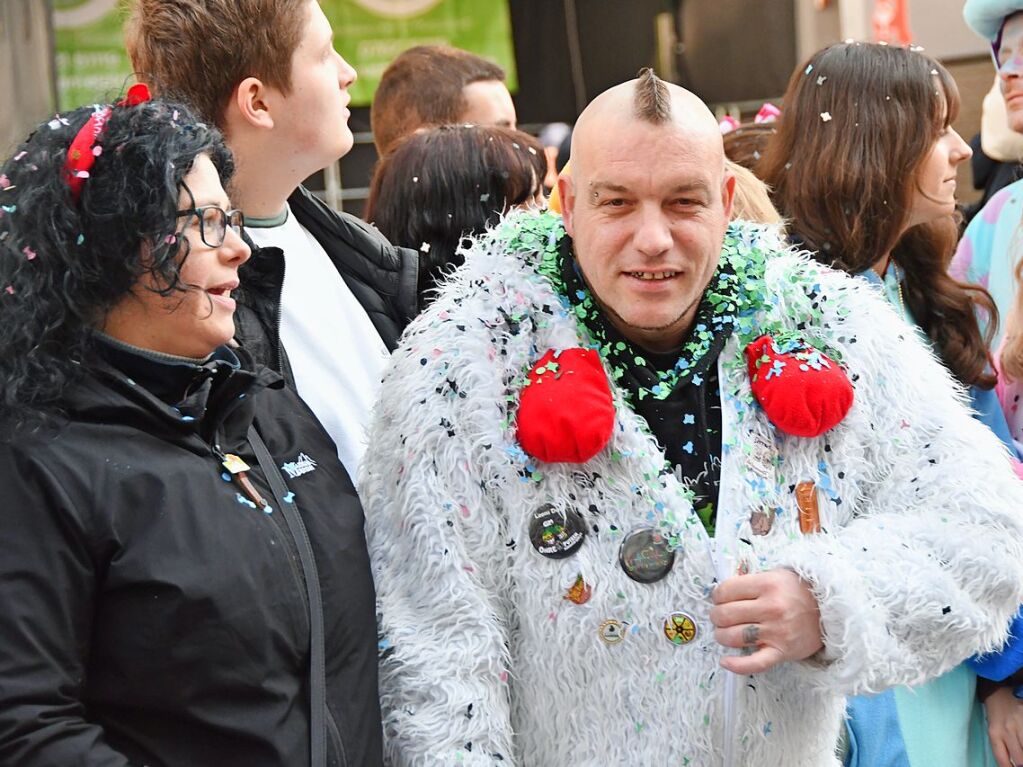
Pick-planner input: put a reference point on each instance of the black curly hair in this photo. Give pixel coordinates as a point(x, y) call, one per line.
point(64, 263)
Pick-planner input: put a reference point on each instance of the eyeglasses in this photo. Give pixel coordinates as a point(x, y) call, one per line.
point(214, 221)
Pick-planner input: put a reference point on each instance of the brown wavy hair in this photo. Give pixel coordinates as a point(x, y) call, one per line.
point(859, 120)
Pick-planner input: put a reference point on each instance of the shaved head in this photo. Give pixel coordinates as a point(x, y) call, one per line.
point(647, 99)
point(647, 203)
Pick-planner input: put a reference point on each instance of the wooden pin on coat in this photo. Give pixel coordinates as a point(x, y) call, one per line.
point(809, 512)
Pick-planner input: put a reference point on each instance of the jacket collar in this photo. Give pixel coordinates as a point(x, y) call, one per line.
point(174, 399)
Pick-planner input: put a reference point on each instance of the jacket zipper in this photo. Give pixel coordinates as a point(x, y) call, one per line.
point(279, 366)
point(731, 691)
point(335, 735)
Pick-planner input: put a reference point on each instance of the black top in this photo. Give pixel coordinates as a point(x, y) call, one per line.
point(686, 420)
point(152, 614)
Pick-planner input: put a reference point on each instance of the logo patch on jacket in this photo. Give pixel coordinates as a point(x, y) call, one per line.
point(301, 465)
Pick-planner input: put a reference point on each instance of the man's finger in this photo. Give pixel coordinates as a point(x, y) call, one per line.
point(737, 613)
point(760, 661)
point(746, 635)
point(740, 587)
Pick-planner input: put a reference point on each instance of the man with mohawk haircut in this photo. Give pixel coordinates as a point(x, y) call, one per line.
point(644, 487)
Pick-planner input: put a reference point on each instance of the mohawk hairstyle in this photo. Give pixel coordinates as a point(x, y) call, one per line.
point(652, 101)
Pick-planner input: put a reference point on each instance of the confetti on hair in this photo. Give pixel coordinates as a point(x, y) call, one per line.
point(19, 155)
point(9, 290)
point(826, 116)
point(57, 123)
point(808, 70)
point(8, 208)
point(821, 79)
point(80, 240)
point(170, 239)
point(484, 197)
point(531, 150)
point(30, 254)
point(425, 247)
point(5, 183)
point(415, 179)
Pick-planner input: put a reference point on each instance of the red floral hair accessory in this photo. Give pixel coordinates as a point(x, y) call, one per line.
point(84, 150)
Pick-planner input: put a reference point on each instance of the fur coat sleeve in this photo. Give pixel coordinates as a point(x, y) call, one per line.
point(929, 567)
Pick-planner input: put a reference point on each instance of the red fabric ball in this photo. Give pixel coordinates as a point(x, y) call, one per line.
point(566, 414)
point(801, 396)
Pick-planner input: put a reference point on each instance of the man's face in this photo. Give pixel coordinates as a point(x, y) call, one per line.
point(313, 124)
point(488, 102)
point(1010, 70)
point(647, 209)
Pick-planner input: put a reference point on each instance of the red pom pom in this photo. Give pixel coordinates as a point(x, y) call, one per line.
point(802, 391)
point(565, 412)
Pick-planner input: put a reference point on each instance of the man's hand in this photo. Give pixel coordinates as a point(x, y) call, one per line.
point(1005, 726)
point(773, 614)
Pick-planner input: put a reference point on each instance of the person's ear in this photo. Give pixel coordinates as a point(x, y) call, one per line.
point(251, 104)
point(566, 196)
point(728, 194)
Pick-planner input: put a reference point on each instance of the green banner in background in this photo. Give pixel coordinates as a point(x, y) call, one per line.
point(92, 65)
point(370, 33)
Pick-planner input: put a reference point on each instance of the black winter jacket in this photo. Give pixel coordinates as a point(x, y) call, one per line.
point(150, 614)
point(382, 277)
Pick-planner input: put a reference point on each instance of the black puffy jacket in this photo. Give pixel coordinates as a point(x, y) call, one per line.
point(381, 276)
point(150, 613)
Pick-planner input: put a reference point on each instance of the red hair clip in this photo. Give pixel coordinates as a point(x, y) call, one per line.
point(84, 150)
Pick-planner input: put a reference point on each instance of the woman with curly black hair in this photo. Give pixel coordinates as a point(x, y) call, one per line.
point(184, 578)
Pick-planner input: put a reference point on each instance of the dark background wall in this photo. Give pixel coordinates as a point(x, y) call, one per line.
point(568, 51)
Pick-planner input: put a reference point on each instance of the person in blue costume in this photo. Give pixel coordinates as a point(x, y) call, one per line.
point(863, 168)
point(990, 248)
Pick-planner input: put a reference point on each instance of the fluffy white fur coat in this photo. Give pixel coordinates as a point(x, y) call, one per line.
point(484, 660)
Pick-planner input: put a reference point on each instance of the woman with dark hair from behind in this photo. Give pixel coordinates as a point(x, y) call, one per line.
point(167, 599)
point(863, 169)
point(444, 184)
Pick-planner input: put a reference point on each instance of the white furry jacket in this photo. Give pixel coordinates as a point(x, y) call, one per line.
point(485, 661)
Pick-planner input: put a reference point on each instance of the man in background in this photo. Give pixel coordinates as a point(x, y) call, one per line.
point(431, 85)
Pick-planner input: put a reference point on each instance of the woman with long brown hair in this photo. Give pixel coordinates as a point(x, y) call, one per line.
point(863, 168)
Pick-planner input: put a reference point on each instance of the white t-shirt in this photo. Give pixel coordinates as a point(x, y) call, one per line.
point(336, 354)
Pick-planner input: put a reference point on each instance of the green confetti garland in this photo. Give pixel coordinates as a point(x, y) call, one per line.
point(734, 298)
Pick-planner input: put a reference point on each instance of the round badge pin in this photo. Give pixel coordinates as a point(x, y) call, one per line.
point(611, 631)
point(645, 555)
point(680, 628)
point(556, 533)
